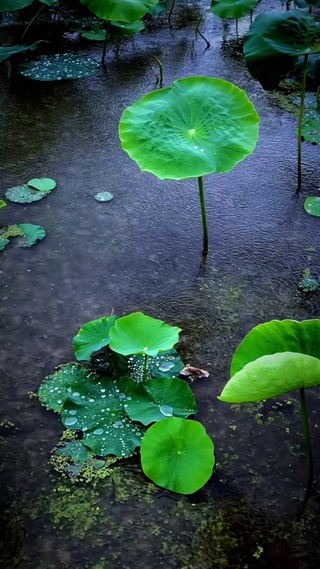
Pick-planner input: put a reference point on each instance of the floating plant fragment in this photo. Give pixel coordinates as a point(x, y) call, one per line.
point(141, 334)
point(177, 454)
point(59, 66)
point(103, 197)
point(3, 243)
point(92, 337)
point(7, 51)
point(121, 10)
point(32, 232)
point(312, 206)
point(24, 194)
point(160, 398)
point(232, 8)
point(42, 184)
point(2, 204)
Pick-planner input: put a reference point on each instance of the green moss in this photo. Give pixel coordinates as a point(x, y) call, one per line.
point(11, 231)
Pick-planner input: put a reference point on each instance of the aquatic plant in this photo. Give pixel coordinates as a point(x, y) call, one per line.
point(59, 66)
point(232, 9)
point(35, 190)
point(195, 127)
point(275, 358)
point(92, 337)
point(271, 48)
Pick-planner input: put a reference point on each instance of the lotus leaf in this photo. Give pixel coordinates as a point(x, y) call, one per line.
point(24, 194)
point(158, 399)
point(77, 457)
point(3, 243)
point(159, 8)
point(42, 184)
point(177, 454)
point(32, 232)
point(120, 10)
point(167, 364)
point(120, 30)
point(103, 197)
point(98, 410)
point(197, 126)
point(275, 41)
point(141, 334)
point(278, 336)
point(7, 51)
point(92, 337)
point(232, 8)
point(59, 66)
point(270, 376)
point(11, 5)
point(312, 206)
point(311, 126)
point(57, 387)
point(96, 33)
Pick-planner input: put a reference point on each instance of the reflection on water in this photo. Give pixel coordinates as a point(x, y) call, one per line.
point(141, 251)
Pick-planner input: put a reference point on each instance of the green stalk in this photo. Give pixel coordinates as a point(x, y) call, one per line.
point(204, 217)
point(160, 71)
point(31, 22)
point(198, 33)
point(302, 98)
point(170, 13)
point(306, 434)
point(105, 46)
point(145, 368)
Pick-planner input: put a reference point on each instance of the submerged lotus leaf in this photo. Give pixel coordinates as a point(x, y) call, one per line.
point(271, 376)
point(120, 30)
point(160, 398)
point(274, 42)
point(312, 206)
point(98, 410)
point(120, 10)
point(167, 364)
point(7, 51)
point(42, 184)
point(11, 5)
point(311, 126)
point(32, 232)
point(59, 66)
point(24, 194)
point(56, 388)
point(92, 337)
point(232, 8)
point(278, 336)
point(77, 457)
point(141, 334)
point(177, 454)
point(3, 243)
point(197, 126)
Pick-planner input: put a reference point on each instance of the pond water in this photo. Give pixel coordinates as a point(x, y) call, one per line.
point(142, 251)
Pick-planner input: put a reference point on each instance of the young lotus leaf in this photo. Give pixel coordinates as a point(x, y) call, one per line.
point(92, 337)
point(120, 10)
point(32, 232)
point(271, 376)
point(11, 5)
point(59, 66)
point(274, 42)
point(311, 126)
point(7, 51)
point(278, 336)
point(232, 8)
point(141, 334)
point(197, 126)
point(168, 364)
point(312, 206)
point(120, 30)
point(158, 399)
point(177, 454)
point(57, 387)
point(98, 411)
point(3, 243)
point(42, 184)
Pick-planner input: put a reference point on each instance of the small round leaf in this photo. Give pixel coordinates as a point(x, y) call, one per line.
point(42, 184)
point(312, 206)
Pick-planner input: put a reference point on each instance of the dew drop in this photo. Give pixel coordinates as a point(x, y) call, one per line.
point(70, 421)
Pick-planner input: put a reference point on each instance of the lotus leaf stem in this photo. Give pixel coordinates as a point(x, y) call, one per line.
point(237, 28)
point(31, 22)
point(105, 46)
point(145, 368)
point(204, 217)
point(170, 12)
point(303, 92)
point(306, 434)
point(197, 32)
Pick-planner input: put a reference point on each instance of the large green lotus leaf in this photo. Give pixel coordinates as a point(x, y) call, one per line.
point(42, 184)
point(158, 399)
point(120, 10)
point(312, 206)
point(59, 66)
point(24, 194)
point(177, 454)
point(274, 42)
point(11, 5)
point(92, 337)
point(98, 411)
point(167, 364)
point(56, 388)
point(141, 334)
point(120, 30)
point(311, 126)
point(271, 376)
point(197, 126)
point(9, 50)
point(232, 8)
point(278, 336)
point(32, 232)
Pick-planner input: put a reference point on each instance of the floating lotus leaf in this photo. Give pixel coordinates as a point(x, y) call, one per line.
point(59, 66)
point(98, 411)
point(24, 194)
point(32, 232)
point(92, 337)
point(197, 126)
point(232, 8)
point(103, 197)
point(311, 126)
point(120, 30)
point(312, 206)
point(96, 33)
point(274, 42)
point(120, 10)
point(141, 334)
point(11, 5)
point(278, 336)
point(77, 457)
point(9, 50)
point(3, 243)
point(271, 376)
point(56, 388)
point(158, 399)
point(177, 454)
point(42, 184)
point(167, 364)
